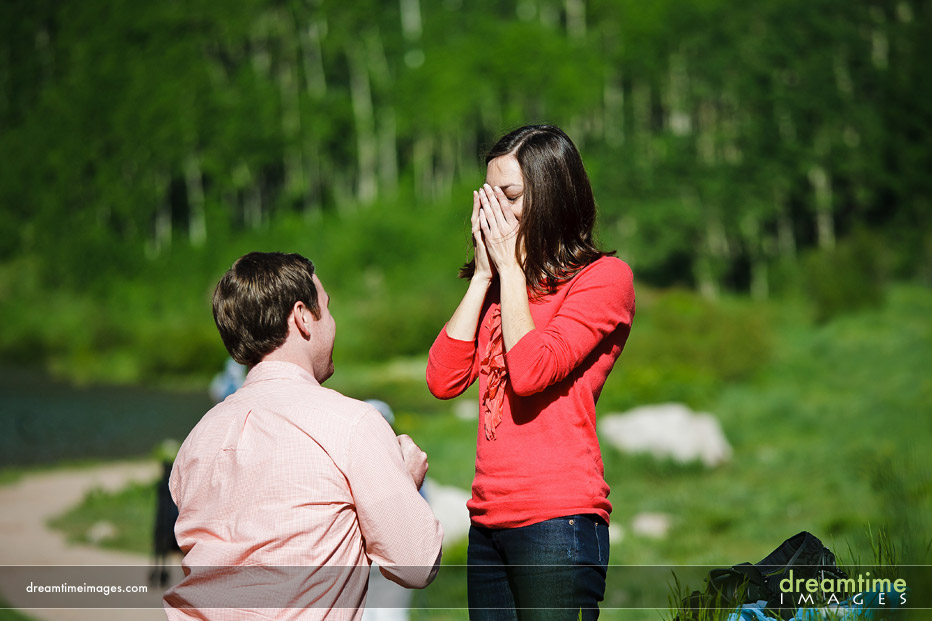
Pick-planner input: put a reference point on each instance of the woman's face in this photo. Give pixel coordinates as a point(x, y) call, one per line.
point(505, 172)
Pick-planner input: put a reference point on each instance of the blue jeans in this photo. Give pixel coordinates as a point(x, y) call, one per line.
point(546, 571)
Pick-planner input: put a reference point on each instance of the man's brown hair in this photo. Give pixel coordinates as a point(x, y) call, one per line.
point(254, 298)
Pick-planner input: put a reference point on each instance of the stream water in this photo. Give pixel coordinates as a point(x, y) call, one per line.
point(44, 421)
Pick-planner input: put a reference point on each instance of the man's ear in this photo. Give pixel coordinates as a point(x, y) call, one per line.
point(302, 317)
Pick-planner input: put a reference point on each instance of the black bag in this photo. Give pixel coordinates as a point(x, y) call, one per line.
point(728, 589)
point(805, 555)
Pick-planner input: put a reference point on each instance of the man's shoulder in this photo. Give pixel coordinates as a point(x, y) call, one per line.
point(346, 405)
point(311, 403)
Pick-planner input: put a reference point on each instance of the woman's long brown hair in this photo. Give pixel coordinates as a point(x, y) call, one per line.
point(558, 217)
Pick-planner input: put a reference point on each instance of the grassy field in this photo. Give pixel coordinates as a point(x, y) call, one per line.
point(830, 424)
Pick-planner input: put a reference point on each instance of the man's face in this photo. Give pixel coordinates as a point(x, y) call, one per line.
point(324, 335)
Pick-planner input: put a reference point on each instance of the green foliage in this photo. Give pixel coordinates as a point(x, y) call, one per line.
point(847, 278)
point(686, 348)
point(715, 147)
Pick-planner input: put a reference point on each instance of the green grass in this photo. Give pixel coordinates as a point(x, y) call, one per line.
point(131, 511)
point(830, 425)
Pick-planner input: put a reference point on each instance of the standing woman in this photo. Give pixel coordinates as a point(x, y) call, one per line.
point(544, 318)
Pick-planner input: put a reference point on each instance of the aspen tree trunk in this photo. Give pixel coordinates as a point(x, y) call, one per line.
point(366, 141)
point(194, 184)
point(705, 142)
point(549, 14)
point(388, 150)
point(45, 54)
point(640, 109)
point(613, 106)
point(315, 84)
point(880, 43)
point(751, 231)
point(422, 163)
point(162, 225)
point(246, 184)
point(295, 180)
point(387, 127)
point(821, 184)
point(313, 58)
point(730, 130)
point(717, 252)
point(467, 151)
point(714, 248)
point(576, 19)
point(446, 169)
point(678, 118)
point(411, 24)
point(786, 239)
point(261, 62)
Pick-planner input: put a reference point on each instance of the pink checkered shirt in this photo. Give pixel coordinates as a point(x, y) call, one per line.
point(299, 488)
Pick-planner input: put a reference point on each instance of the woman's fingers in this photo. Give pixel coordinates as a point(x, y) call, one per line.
point(509, 216)
point(474, 218)
point(497, 208)
point(487, 215)
point(484, 223)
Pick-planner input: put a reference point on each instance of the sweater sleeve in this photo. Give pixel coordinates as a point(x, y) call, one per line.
point(452, 366)
point(600, 300)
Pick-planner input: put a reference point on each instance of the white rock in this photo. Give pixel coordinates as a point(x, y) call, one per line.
point(616, 534)
point(652, 525)
point(101, 531)
point(449, 506)
point(669, 430)
point(466, 409)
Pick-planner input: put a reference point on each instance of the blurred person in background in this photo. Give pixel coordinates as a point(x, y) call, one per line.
point(544, 318)
point(287, 490)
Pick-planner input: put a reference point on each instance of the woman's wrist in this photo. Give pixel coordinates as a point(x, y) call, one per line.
point(481, 280)
point(512, 273)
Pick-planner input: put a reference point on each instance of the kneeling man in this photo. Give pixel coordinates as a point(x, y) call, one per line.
point(287, 490)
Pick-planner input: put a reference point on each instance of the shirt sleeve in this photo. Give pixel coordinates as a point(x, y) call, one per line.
point(600, 299)
point(400, 531)
point(452, 366)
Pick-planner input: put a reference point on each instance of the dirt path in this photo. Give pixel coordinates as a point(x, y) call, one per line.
point(26, 541)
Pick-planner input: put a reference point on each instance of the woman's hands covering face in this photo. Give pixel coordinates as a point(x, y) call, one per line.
point(484, 268)
point(498, 226)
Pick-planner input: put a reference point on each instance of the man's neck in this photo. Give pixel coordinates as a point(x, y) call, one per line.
point(287, 354)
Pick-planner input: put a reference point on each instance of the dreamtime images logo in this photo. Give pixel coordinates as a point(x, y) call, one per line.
point(860, 590)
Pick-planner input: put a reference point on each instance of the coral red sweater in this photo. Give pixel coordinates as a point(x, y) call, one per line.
point(545, 461)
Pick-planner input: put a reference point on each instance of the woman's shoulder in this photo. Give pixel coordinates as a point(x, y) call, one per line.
point(608, 269)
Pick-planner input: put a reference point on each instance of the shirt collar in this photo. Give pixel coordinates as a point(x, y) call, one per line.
point(278, 369)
